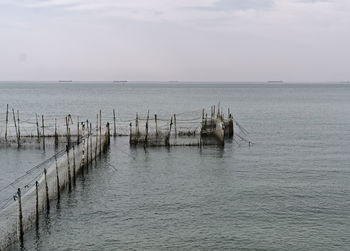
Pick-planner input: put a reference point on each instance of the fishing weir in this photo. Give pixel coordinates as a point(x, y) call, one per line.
point(83, 144)
point(207, 130)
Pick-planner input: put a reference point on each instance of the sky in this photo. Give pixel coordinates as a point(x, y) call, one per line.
point(166, 40)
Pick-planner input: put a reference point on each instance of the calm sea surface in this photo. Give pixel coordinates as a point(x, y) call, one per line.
point(289, 191)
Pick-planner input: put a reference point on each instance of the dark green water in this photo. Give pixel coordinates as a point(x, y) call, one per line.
point(290, 191)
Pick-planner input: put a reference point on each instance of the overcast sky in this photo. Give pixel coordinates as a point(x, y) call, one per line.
point(189, 40)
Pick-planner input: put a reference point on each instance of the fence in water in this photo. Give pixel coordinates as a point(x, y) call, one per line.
point(181, 130)
point(192, 128)
point(22, 210)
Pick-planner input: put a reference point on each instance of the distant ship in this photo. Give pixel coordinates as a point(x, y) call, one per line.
point(65, 81)
point(120, 81)
point(275, 82)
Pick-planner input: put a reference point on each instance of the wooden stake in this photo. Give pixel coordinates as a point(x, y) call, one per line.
point(100, 132)
point(21, 233)
point(68, 167)
point(67, 130)
point(73, 165)
point(43, 128)
point(96, 136)
point(146, 139)
point(137, 125)
point(19, 131)
point(87, 145)
point(57, 181)
point(14, 120)
point(47, 193)
point(36, 204)
point(56, 136)
point(78, 140)
point(130, 137)
point(7, 121)
point(82, 165)
point(155, 120)
point(114, 130)
point(175, 125)
point(90, 142)
point(37, 127)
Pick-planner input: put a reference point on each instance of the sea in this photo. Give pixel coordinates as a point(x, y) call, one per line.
point(288, 190)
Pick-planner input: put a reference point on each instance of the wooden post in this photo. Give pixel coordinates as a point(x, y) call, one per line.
point(43, 128)
point(175, 125)
point(137, 125)
point(37, 127)
point(100, 132)
point(68, 167)
point(19, 131)
point(21, 233)
point(67, 130)
point(146, 138)
point(36, 204)
point(7, 121)
point(171, 124)
point(56, 136)
point(130, 137)
point(107, 138)
point(47, 193)
point(57, 180)
point(78, 140)
point(155, 120)
point(82, 165)
point(87, 144)
point(73, 165)
point(91, 143)
point(14, 121)
point(114, 130)
point(96, 136)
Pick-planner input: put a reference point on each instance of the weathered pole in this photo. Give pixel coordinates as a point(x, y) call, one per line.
point(19, 131)
point(68, 167)
point(96, 136)
point(82, 164)
point(36, 204)
point(100, 132)
point(146, 138)
point(175, 125)
point(57, 180)
point(114, 129)
point(67, 131)
point(47, 193)
point(21, 232)
point(7, 121)
point(56, 136)
point(37, 127)
point(130, 137)
point(91, 143)
point(155, 120)
point(73, 165)
point(14, 121)
point(78, 140)
point(43, 128)
point(87, 144)
point(137, 125)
